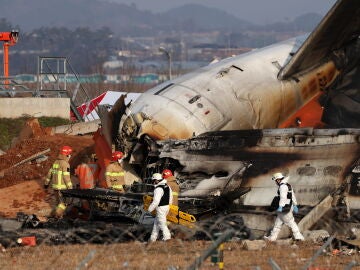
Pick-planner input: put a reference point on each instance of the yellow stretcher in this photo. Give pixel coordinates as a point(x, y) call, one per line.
point(175, 215)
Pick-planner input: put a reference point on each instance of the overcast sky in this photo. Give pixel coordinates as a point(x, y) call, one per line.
point(256, 11)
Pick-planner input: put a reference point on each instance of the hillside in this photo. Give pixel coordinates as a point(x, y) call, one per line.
point(95, 14)
point(128, 19)
point(196, 16)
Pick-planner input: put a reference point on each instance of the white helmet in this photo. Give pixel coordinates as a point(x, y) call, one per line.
point(277, 176)
point(156, 177)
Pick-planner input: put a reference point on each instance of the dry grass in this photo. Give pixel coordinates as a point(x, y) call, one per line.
point(175, 254)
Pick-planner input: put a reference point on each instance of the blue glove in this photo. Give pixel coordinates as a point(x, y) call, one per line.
point(295, 209)
point(279, 209)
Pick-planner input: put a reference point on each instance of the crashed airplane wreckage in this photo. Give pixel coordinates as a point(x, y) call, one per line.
point(225, 128)
point(228, 172)
point(234, 166)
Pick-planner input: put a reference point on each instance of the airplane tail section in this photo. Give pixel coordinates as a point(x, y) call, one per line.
point(338, 29)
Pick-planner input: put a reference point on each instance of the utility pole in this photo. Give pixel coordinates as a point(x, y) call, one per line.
point(168, 55)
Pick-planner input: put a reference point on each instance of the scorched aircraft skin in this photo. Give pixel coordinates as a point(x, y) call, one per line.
point(221, 128)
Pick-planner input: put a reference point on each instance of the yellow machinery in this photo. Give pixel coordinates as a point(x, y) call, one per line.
point(175, 215)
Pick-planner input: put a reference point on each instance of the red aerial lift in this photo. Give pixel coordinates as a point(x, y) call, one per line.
point(9, 39)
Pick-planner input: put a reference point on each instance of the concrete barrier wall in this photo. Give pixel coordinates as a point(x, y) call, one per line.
point(36, 107)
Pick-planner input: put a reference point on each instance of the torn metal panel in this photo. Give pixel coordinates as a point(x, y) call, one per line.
point(337, 29)
point(315, 214)
point(341, 104)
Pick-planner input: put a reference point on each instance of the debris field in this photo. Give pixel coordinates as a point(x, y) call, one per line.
point(21, 190)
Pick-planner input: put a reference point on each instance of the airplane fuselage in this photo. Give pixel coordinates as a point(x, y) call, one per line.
point(241, 92)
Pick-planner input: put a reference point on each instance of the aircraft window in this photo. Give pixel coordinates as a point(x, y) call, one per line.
point(306, 171)
point(332, 170)
point(164, 88)
point(195, 98)
point(221, 174)
point(355, 184)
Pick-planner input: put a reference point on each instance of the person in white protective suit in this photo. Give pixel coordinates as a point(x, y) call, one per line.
point(287, 204)
point(161, 201)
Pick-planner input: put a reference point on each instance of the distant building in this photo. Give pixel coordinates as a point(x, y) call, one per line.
point(113, 64)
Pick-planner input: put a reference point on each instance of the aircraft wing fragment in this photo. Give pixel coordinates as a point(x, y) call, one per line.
point(340, 26)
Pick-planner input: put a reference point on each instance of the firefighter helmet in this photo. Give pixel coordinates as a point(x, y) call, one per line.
point(277, 176)
point(66, 150)
point(166, 173)
point(156, 177)
point(117, 155)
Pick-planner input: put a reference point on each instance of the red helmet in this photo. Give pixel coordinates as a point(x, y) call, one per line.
point(166, 173)
point(66, 150)
point(117, 155)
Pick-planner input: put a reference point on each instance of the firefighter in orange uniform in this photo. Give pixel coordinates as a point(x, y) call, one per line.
point(172, 183)
point(59, 178)
point(88, 173)
point(114, 174)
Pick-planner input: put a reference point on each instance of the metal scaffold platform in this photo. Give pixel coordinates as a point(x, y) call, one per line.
point(56, 78)
point(52, 79)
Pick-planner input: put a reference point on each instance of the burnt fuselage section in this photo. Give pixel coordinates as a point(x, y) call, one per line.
point(219, 163)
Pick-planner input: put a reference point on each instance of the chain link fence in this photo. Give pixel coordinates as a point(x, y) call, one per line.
point(221, 243)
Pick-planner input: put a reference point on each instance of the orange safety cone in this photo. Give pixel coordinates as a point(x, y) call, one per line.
point(27, 241)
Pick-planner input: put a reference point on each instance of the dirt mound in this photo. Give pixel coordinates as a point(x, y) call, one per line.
point(81, 145)
point(21, 187)
point(32, 129)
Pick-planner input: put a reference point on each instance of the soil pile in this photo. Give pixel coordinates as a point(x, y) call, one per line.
point(21, 187)
point(33, 139)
